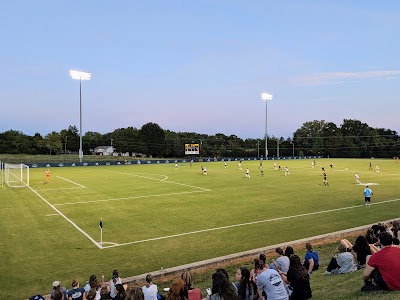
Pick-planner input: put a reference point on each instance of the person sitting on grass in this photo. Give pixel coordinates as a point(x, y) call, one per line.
point(360, 250)
point(178, 290)
point(343, 262)
point(222, 288)
point(298, 278)
point(281, 263)
point(135, 293)
point(120, 293)
point(289, 251)
point(113, 282)
point(76, 293)
point(150, 289)
point(311, 259)
point(247, 289)
point(58, 288)
point(382, 268)
point(193, 293)
point(263, 258)
point(270, 282)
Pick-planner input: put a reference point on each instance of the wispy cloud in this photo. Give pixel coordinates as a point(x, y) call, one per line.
point(340, 77)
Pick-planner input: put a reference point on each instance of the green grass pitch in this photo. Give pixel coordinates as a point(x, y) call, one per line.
point(155, 216)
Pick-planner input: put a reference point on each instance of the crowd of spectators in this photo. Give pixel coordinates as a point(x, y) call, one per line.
point(377, 253)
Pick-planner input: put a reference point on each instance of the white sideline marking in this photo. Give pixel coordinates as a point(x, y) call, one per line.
point(50, 215)
point(163, 180)
point(68, 220)
point(248, 223)
point(127, 198)
point(71, 181)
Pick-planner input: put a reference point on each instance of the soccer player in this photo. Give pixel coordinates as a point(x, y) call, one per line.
point(331, 166)
point(370, 166)
point(312, 164)
point(325, 180)
point(262, 170)
point(357, 178)
point(240, 165)
point(225, 165)
point(279, 167)
point(176, 166)
point(287, 171)
point(368, 193)
point(377, 169)
point(247, 173)
point(274, 166)
point(48, 173)
point(204, 171)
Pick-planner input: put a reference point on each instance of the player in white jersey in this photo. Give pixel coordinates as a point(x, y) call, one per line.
point(357, 178)
point(287, 171)
point(225, 165)
point(274, 166)
point(377, 169)
point(240, 165)
point(247, 173)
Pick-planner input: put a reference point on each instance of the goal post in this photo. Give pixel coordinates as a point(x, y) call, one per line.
point(16, 175)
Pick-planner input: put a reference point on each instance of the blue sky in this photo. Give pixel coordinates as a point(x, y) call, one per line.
point(199, 66)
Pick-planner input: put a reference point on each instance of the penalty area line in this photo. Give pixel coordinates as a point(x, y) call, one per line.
point(66, 218)
point(70, 181)
point(246, 224)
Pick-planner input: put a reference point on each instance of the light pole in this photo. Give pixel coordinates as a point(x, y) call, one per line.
point(292, 142)
point(266, 97)
point(80, 76)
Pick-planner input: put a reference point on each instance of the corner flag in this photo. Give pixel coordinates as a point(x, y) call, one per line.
point(101, 223)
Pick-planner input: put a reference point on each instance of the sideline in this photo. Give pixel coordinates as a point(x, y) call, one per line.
point(246, 224)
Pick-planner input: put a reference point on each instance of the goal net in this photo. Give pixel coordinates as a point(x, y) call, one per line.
point(16, 175)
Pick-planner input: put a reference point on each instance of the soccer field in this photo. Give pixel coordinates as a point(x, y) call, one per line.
point(155, 216)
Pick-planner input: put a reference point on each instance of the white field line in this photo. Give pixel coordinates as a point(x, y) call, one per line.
point(50, 215)
point(128, 198)
point(73, 188)
point(162, 180)
point(68, 220)
point(71, 181)
point(246, 224)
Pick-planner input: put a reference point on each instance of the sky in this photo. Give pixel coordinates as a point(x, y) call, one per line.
point(199, 66)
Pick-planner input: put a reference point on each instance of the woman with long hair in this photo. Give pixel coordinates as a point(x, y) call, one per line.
point(120, 293)
point(298, 278)
point(113, 282)
point(134, 293)
point(222, 289)
point(361, 249)
point(178, 290)
point(193, 293)
point(247, 289)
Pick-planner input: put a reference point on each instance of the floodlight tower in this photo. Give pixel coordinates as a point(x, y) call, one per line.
point(266, 97)
point(80, 75)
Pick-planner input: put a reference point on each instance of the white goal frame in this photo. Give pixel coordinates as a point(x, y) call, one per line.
point(16, 175)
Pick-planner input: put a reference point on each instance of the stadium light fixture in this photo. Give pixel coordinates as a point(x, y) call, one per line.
point(266, 97)
point(80, 75)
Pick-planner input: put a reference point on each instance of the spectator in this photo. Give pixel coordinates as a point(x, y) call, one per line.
point(135, 293)
point(281, 263)
point(58, 288)
point(113, 282)
point(93, 284)
point(263, 258)
point(288, 251)
point(220, 270)
point(120, 293)
point(383, 266)
point(361, 249)
point(298, 278)
point(246, 288)
point(311, 260)
point(178, 290)
point(222, 288)
point(193, 293)
point(371, 237)
point(76, 293)
point(343, 262)
point(270, 282)
point(150, 289)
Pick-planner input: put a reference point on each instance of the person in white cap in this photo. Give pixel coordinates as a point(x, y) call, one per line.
point(58, 288)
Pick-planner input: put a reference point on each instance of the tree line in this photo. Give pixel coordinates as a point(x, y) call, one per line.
point(352, 139)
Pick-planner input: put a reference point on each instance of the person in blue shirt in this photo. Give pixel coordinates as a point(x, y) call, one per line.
point(368, 193)
point(311, 260)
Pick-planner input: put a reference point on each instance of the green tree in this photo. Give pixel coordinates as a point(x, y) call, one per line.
point(153, 136)
point(53, 142)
